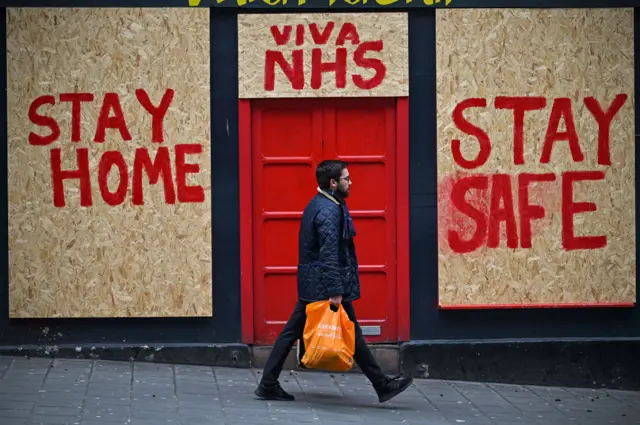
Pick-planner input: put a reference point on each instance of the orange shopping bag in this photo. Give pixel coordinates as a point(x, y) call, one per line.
point(329, 338)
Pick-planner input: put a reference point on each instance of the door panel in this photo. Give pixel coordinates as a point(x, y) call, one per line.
point(283, 178)
point(360, 127)
point(289, 138)
point(370, 194)
point(283, 288)
point(362, 132)
point(286, 145)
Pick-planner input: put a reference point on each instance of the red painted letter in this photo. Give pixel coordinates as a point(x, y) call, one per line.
point(281, 38)
point(561, 109)
point(108, 160)
point(501, 193)
point(43, 120)
point(187, 193)
point(111, 101)
point(82, 173)
point(339, 67)
point(161, 166)
point(519, 105)
point(604, 124)
point(320, 38)
point(528, 212)
point(157, 114)
point(470, 129)
point(376, 64)
point(570, 208)
point(299, 35)
point(458, 193)
point(294, 72)
point(348, 32)
point(76, 100)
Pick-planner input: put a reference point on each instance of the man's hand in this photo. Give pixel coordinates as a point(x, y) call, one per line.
point(337, 300)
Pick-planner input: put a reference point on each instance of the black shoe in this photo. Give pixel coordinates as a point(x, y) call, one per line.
point(273, 393)
point(392, 388)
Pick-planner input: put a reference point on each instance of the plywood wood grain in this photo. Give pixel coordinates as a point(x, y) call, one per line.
point(323, 55)
point(567, 67)
point(129, 234)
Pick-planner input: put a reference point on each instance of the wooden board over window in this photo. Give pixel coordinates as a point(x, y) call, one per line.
point(109, 168)
point(536, 157)
point(323, 55)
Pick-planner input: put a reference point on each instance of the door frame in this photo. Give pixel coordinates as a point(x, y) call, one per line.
point(403, 286)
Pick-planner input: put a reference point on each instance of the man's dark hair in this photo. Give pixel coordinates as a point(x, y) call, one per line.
point(327, 170)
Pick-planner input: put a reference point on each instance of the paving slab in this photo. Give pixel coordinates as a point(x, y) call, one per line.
point(94, 392)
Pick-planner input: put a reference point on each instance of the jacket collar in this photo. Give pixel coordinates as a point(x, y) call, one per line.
point(328, 196)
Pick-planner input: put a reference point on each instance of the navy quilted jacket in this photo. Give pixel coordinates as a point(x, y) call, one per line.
point(327, 262)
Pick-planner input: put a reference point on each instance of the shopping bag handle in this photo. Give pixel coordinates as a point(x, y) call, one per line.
point(333, 308)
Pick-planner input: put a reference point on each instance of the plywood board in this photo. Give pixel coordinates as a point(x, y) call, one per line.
point(567, 67)
point(124, 92)
point(323, 55)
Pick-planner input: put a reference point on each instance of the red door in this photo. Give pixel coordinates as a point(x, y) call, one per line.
point(289, 138)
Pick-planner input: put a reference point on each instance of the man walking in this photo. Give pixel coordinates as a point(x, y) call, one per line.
point(327, 270)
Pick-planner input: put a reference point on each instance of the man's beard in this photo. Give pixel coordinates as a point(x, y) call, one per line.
point(343, 194)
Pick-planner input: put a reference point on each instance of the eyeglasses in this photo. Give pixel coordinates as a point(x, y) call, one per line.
point(348, 178)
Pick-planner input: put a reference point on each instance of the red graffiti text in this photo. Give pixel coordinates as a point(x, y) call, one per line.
point(465, 195)
point(561, 110)
point(111, 116)
point(294, 67)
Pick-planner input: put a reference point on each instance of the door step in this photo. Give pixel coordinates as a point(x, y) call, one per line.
point(388, 357)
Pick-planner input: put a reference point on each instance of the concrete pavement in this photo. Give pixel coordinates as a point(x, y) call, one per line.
point(86, 392)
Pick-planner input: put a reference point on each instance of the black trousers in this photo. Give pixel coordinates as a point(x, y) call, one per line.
point(293, 330)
